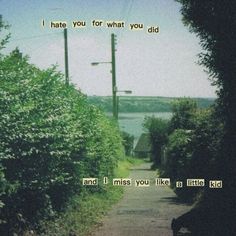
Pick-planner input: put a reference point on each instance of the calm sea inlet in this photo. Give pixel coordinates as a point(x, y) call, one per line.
point(132, 122)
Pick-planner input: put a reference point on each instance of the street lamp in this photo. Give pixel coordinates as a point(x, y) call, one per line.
point(113, 71)
point(125, 91)
point(117, 103)
point(102, 62)
point(114, 88)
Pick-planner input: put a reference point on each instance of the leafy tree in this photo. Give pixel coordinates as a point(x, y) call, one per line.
point(207, 136)
point(157, 129)
point(183, 112)
point(5, 38)
point(4, 185)
point(128, 142)
point(50, 138)
point(214, 22)
point(193, 153)
point(179, 152)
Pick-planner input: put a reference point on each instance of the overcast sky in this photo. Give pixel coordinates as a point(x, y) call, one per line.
point(163, 64)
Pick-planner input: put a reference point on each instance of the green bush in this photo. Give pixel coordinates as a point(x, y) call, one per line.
point(183, 112)
point(158, 134)
point(50, 138)
point(194, 153)
point(208, 133)
point(128, 142)
point(179, 154)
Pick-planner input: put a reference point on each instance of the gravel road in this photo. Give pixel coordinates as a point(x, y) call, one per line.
point(142, 210)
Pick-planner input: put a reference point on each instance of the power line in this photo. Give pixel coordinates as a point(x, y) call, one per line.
point(123, 9)
point(129, 10)
point(126, 17)
point(123, 13)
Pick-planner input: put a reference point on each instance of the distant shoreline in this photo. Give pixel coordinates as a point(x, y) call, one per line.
point(137, 104)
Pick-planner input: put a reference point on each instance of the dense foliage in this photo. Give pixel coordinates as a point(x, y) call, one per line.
point(187, 146)
point(193, 153)
point(50, 138)
point(215, 24)
point(183, 111)
point(4, 37)
point(128, 142)
point(157, 129)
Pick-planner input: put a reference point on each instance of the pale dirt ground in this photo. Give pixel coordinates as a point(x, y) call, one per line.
point(143, 211)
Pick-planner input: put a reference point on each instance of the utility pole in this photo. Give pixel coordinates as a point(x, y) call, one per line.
point(113, 71)
point(66, 57)
point(117, 105)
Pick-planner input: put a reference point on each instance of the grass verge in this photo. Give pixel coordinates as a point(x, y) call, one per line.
point(85, 211)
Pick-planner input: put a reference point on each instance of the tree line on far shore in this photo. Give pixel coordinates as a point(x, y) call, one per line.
point(142, 103)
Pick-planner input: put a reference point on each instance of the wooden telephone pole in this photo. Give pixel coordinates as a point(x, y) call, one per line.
point(66, 57)
point(113, 64)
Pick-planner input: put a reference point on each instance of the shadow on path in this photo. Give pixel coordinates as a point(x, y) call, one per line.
point(175, 200)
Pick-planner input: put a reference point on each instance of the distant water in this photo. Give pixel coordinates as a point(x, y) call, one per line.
point(132, 122)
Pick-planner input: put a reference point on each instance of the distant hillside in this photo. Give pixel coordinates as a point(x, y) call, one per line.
point(142, 103)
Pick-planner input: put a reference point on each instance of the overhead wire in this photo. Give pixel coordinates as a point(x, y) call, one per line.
point(123, 13)
point(126, 17)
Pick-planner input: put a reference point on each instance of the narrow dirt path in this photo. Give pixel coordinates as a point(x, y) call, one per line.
point(143, 211)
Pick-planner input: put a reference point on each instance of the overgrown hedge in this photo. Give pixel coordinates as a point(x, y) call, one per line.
point(157, 128)
point(50, 138)
point(128, 142)
point(191, 144)
point(192, 150)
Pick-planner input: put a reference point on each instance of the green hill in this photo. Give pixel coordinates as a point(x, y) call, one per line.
point(143, 103)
